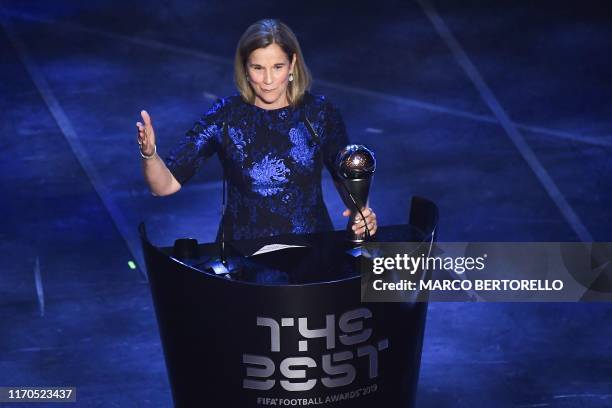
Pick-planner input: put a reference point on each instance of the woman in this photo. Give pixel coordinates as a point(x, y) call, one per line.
point(272, 139)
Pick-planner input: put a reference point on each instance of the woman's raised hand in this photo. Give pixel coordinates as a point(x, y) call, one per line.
point(146, 135)
point(160, 180)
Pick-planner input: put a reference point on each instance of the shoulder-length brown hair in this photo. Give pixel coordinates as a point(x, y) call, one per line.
point(260, 35)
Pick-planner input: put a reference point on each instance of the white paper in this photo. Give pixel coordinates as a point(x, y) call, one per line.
point(275, 247)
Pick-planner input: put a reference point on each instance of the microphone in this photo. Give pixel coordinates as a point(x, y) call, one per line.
point(222, 265)
point(355, 166)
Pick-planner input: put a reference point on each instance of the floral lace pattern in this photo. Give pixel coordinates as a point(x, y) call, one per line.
point(272, 162)
point(301, 151)
point(269, 175)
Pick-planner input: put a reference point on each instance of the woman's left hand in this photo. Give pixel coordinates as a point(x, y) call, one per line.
point(359, 226)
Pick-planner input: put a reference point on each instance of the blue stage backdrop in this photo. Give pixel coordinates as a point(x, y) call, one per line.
point(497, 111)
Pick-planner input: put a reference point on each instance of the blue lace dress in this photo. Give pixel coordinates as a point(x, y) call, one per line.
point(273, 163)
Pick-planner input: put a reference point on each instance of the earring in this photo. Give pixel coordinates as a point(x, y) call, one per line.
point(291, 77)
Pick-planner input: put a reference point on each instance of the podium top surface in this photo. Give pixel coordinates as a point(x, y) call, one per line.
point(292, 259)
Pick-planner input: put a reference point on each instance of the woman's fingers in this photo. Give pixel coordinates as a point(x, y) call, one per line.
point(141, 133)
point(361, 225)
point(146, 118)
point(370, 220)
point(361, 229)
point(367, 213)
point(373, 229)
point(145, 133)
point(146, 127)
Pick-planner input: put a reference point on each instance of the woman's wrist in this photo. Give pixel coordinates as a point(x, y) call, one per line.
point(148, 156)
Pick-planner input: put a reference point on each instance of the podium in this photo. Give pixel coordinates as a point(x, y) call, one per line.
point(289, 329)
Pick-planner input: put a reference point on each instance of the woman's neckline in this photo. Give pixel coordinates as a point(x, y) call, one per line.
point(268, 110)
point(288, 107)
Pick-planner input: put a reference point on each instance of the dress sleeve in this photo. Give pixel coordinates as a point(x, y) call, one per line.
point(334, 136)
point(199, 143)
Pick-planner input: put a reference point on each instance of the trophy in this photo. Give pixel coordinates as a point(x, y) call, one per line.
point(355, 165)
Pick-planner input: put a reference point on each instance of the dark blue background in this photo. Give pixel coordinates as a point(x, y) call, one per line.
point(74, 76)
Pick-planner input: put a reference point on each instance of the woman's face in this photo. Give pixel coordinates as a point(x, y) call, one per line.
point(268, 73)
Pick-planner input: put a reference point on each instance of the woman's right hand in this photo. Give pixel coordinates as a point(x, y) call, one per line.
point(146, 134)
